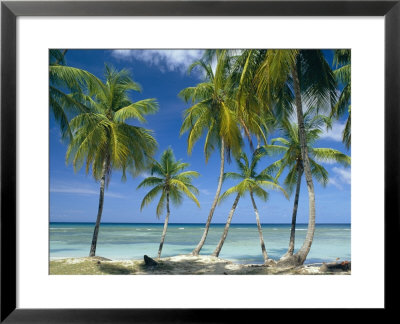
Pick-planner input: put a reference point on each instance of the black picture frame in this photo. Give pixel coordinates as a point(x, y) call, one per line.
point(10, 10)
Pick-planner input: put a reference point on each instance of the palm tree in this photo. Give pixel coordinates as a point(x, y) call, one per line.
point(309, 77)
point(103, 141)
point(252, 183)
point(64, 80)
point(212, 113)
point(170, 183)
point(254, 116)
point(292, 159)
point(57, 56)
point(342, 60)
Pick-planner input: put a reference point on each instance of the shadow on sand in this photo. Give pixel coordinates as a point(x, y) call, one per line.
point(206, 266)
point(114, 269)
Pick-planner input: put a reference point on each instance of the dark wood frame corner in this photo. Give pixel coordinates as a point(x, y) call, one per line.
point(10, 10)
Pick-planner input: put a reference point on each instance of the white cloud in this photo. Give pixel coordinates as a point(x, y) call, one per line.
point(205, 192)
point(83, 191)
point(166, 60)
point(335, 133)
point(343, 174)
point(334, 182)
point(340, 178)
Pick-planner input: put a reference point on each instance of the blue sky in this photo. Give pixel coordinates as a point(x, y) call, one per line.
point(162, 74)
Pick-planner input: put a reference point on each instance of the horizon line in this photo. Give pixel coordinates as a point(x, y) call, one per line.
point(161, 223)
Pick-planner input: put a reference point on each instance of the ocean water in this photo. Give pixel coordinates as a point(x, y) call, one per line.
point(132, 241)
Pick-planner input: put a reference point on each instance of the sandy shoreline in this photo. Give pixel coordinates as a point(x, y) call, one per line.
point(176, 265)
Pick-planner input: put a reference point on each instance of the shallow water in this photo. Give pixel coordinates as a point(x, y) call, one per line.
point(132, 241)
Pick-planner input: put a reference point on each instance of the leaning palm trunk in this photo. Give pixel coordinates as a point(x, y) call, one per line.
point(100, 210)
point(294, 215)
point(301, 255)
point(196, 251)
point(226, 229)
point(165, 229)
point(264, 251)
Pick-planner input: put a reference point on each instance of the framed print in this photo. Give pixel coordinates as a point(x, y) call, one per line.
point(56, 170)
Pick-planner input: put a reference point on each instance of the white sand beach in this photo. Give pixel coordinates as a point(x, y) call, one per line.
point(179, 265)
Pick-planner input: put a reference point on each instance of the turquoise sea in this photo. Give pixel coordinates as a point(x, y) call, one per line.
point(132, 241)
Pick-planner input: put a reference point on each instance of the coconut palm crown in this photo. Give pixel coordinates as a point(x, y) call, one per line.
point(102, 133)
point(251, 181)
point(171, 184)
point(292, 160)
point(213, 109)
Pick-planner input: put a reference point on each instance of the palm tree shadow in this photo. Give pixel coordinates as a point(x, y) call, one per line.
point(191, 267)
point(161, 268)
point(196, 267)
point(114, 269)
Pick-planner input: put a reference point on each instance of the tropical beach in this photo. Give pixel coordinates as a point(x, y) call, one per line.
point(123, 247)
point(200, 162)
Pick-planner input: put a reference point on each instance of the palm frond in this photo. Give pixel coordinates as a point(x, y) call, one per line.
point(97, 137)
point(161, 204)
point(272, 185)
point(331, 155)
point(150, 182)
point(232, 175)
point(149, 197)
point(238, 189)
point(319, 173)
point(347, 131)
point(137, 110)
point(175, 184)
point(183, 188)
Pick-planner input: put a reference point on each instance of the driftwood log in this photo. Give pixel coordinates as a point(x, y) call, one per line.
point(149, 261)
point(336, 266)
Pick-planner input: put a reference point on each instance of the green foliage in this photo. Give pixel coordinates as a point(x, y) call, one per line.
point(274, 72)
point(342, 60)
point(254, 114)
point(64, 80)
point(57, 56)
point(101, 134)
point(170, 182)
point(292, 158)
point(213, 110)
point(251, 181)
point(317, 81)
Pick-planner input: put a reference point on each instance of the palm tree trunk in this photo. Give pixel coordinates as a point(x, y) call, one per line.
point(226, 229)
point(294, 215)
point(100, 210)
point(196, 251)
point(165, 229)
point(264, 251)
point(301, 255)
